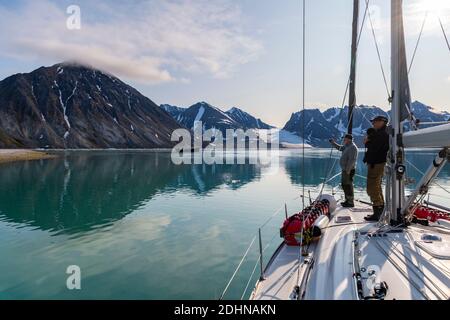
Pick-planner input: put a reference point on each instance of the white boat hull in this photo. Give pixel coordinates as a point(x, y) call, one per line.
point(411, 267)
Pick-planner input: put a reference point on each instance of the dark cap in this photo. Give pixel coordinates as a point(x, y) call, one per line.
point(380, 118)
point(348, 136)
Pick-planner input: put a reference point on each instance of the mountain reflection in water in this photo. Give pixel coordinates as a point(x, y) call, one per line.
point(141, 227)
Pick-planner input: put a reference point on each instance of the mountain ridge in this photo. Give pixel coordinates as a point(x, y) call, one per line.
point(70, 105)
point(332, 122)
point(213, 117)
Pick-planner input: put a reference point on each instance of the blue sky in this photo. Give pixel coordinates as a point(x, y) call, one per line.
point(243, 53)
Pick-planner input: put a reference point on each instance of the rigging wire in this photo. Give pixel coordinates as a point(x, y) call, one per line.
point(303, 133)
point(378, 53)
point(330, 169)
point(417, 43)
point(443, 32)
point(237, 268)
point(423, 173)
point(303, 130)
point(250, 278)
point(303, 104)
point(256, 265)
point(303, 119)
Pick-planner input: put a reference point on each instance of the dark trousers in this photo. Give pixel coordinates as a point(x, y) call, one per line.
point(375, 174)
point(347, 185)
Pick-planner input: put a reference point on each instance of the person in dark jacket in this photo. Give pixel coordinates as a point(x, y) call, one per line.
point(377, 148)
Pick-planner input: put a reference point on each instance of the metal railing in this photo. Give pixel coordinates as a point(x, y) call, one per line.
point(258, 236)
point(261, 251)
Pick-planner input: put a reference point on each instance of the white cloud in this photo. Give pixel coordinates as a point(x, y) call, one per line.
point(416, 10)
point(147, 41)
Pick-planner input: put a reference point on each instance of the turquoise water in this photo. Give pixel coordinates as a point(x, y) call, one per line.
point(140, 227)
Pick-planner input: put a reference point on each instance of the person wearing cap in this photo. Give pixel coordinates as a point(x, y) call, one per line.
point(377, 148)
point(348, 166)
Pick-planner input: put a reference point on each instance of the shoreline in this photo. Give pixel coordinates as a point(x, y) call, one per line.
point(13, 155)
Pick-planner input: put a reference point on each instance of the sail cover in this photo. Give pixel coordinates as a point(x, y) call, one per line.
point(404, 92)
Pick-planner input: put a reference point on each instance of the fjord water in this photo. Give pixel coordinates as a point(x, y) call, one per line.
point(140, 227)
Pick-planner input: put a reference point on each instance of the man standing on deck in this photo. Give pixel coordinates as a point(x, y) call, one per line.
point(377, 148)
point(348, 165)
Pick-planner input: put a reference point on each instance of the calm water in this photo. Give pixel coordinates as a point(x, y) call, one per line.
point(140, 227)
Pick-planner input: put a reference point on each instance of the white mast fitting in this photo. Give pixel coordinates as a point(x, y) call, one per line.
point(400, 100)
point(433, 171)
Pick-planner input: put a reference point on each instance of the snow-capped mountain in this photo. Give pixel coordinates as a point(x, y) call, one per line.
point(74, 106)
point(210, 116)
point(332, 123)
point(428, 114)
point(213, 117)
point(317, 127)
point(174, 111)
point(247, 120)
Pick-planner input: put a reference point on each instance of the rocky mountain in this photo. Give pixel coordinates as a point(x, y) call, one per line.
point(317, 127)
point(427, 113)
point(74, 106)
point(174, 111)
point(210, 116)
point(213, 117)
point(246, 120)
point(320, 126)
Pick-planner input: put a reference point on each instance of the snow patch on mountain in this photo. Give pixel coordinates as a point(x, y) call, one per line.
point(68, 99)
point(247, 120)
point(333, 122)
point(174, 111)
point(201, 112)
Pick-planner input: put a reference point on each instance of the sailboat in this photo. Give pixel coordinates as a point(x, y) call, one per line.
point(398, 257)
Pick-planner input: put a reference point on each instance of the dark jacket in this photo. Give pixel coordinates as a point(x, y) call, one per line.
point(377, 146)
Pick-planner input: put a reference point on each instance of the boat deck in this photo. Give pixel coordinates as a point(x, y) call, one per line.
point(411, 267)
point(283, 274)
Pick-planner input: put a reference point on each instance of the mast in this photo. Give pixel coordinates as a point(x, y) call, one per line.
point(397, 154)
point(352, 94)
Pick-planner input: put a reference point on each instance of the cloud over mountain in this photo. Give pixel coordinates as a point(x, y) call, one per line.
point(150, 42)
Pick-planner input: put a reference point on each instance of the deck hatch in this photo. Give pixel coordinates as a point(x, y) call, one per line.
point(344, 219)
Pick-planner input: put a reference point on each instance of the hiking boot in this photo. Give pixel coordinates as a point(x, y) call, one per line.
point(377, 212)
point(347, 204)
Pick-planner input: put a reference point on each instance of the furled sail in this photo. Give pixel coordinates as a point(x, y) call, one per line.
point(404, 91)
